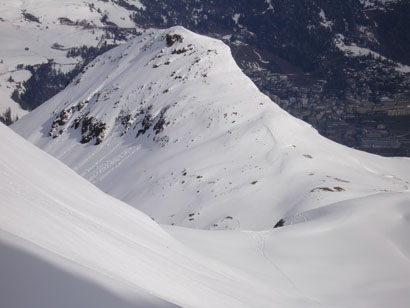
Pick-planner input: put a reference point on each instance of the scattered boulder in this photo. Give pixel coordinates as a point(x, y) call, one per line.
point(179, 51)
point(30, 17)
point(279, 224)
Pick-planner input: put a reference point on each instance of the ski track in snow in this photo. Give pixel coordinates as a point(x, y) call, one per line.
point(261, 238)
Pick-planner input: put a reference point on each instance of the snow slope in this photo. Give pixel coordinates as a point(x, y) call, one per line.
point(29, 42)
point(354, 253)
point(177, 130)
point(64, 243)
point(79, 242)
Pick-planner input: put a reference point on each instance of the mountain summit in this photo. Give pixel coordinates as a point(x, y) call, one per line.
point(169, 124)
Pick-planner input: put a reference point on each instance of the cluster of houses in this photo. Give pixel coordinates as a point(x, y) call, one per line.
point(354, 120)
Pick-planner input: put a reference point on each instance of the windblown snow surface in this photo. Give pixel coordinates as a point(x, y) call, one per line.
point(64, 243)
point(169, 124)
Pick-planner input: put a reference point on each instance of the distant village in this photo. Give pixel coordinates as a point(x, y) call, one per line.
point(360, 119)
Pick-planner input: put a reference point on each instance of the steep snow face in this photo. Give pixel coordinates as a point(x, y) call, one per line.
point(169, 124)
point(64, 243)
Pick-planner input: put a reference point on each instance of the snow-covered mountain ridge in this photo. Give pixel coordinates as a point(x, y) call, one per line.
point(169, 124)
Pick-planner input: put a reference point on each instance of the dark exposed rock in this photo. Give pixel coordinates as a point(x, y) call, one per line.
point(145, 125)
point(127, 122)
point(60, 120)
point(161, 122)
point(173, 38)
point(30, 17)
point(77, 122)
point(280, 223)
point(179, 51)
point(7, 117)
point(92, 128)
